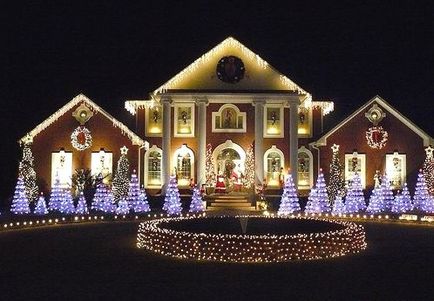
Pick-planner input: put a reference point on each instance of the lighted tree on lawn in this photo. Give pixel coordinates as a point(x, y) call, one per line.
point(249, 172)
point(428, 169)
point(67, 205)
point(336, 182)
point(142, 204)
point(209, 167)
point(172, 201)
point(56, 196)
point(289, 203)
point(27, 172)
point(376, 202)
point(123, 207)
point(338, 205)
point(20, 204)
point(421, 194)
point(354, 200)
point(318, 202)
point(133, 191)
point(41, 206)
point(81, 205)
point(386, 192)
point(108, 204)
point(121, 183)
point(99, 196)
point(402, 202)
point(196, 204)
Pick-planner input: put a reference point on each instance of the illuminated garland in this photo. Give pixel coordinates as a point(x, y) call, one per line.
point(250, 248)
point(376, 137)
point(81, 138)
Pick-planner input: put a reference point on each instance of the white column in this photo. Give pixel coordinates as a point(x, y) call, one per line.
point(259, 140)
point(201, 134)
point(166, 144)
point(293, 138)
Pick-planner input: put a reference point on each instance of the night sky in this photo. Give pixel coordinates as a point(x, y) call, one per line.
point(347, 53)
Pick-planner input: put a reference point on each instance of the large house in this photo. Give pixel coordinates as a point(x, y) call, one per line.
point(229, 102)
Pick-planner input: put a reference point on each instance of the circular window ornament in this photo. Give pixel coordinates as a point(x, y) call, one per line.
point(377, 137)
point(81, 138)
point(230, 69)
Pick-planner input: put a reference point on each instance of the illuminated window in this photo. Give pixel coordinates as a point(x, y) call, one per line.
point(273, 121)
point(396, 169)
point(101, 163)
point(184, 165)
point(229, 119)
point(304, 168)
point(274, 162)
point(304, 122)
point(184, 120)
point(152, 174)
point(355, 163)
point(154, 121)
point(61, 166)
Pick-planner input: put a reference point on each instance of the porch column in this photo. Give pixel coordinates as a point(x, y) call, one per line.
point(259, 140)
point(166, 144)
point(293, 137)
point(201, 134)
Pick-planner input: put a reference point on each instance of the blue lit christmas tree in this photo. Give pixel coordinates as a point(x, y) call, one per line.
point(386, 192)
point(108, 204)
point(82, 205)
point(376, 201)
point(311, 199)
point(402, 202)
point(20, 203)
point(41, 206)
point(123, 207)
point(142, 203)
point(421, 195)
point(196, 204)
point(56, 196)
point(99, 196)
point(354, 200)
point(338, 205)
point(67, 205)
point(172, 201)
point(289, 203)
point(319, 201)
point(133, 191)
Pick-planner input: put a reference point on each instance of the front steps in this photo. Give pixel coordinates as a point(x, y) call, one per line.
point(230, 202)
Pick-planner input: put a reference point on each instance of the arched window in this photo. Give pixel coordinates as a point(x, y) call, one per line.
point(183, 160)
point(305, 168)
point(152, 174)
point(274, 162)
point(229, 119)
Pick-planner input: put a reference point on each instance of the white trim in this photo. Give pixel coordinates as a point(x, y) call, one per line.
point(306, 151)
point(148, 119)
point(281, 121)
point(427, 140)
point(349, 175)
point(184, 149)
point(390, 168)
point(219, 113)
point(154, 148)
point(176, 106)
point(234, 146)
point(273, 149)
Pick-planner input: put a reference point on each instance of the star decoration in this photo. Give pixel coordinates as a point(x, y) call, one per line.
point(28, 139)
point(124, 150)
point(429, 151)
point(335, 148)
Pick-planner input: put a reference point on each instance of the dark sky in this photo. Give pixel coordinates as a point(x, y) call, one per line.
point(346, 53)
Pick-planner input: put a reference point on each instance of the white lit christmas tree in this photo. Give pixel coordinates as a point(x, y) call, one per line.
point(209, 167)
point(123, 207)
point(81, 205)
point(41, 206)
point(20, 204)
point(196, 204)
point(402, 202)
point(428, 169)
point(421, 194)
point(133, 191)
point(336, 182)
point(172, 201)
point(99, 196)
point(376, 202)
point(386, 192)
point(249, 171)
point(318, 202)
point(338, 205)
point(108, 204)
point(142, 204)
point(121, 183)
point(289, 203)
point(354, 200)
point(27, 172)
point(56, 196)
point(67, 205)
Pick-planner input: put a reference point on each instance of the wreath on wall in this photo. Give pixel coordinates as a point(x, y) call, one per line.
point(377, 137)
point(81, 138)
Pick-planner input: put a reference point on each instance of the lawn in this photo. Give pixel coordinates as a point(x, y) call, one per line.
point(101, 262)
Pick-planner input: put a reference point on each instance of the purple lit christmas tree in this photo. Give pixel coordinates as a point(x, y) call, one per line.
point(376, 201)
point(67, 205)
point(354, 200)
point(172, 201)
point(56, 196)
point(108, 204)
point(402, 202)
point(99, 196)
point(41, 206)
point(319, 202)
point(82, 205)
point(421, 196)
point(20, 203)
point(386, 192)
point(289, 202)
point(338, 205)
point(142, 203)
point(196, 204)
point(123, 207)
point(133, 191)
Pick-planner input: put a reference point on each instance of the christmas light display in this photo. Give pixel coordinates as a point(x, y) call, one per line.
point(41, 206)
point(249, 172)
point(133, 191)
point(289, 203)
point(386, 192)
point(67, 205)
point(56, 196)
point(153, 235)
point(121, 184)
point(423, 201)
point(209, 167)
point(108, 204)
point(172, 201)
point(428, 169)
point(81, 205)
point(338, 205)
point(81, 138)
point(402, 202)
point(318, 201)
point(376, 137)
point(20, 203)
point(99, 196)
point(142, 203)
point(336, 182)
point(123, 207)
point(354, 200)
point(196, 204)
point(27, 172)
point(376, 201)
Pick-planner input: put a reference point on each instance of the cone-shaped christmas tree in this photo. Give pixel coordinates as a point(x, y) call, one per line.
point(133, 191)
point(121, 182)
point(196, 204)
point(386, 192)
point(172, 201)
point(99, 196)
point(56, 196)
point(428, 169)
point(20, 204)
point(376, 202)
point(142, 204)
point(41, 206)
point(67, 205)
point(108, 204)
point(82, 205)
point(421, 195)
point(337, 182)
point(28, 174)
point(338, 205)
point(123, 207)
point(402, 202)
point(209, 167)
point(249, 174)
point(354, 200)
point(319, 202)
point(289, 203)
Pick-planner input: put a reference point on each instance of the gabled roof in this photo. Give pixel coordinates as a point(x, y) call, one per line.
point(427, 139)
point(81, 98)
point(201, 74)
